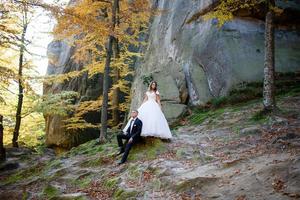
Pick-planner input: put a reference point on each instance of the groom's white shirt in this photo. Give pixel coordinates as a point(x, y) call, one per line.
point(127, 125)
point(132, 124)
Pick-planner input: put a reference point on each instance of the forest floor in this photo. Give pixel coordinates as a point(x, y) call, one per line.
point(231, 152)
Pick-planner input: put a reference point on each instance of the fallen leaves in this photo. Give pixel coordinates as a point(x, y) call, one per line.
point(241, 197)
point(170, 155)
point(96, 190)
point(278, 185)
point(147, 176)
point(188, 196)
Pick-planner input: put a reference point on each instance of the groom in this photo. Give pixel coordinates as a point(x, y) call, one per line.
point(132, 135)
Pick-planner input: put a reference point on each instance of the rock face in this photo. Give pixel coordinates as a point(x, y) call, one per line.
point(60, 62)
point(194, 62)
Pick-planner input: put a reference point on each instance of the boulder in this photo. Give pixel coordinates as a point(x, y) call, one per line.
point(60, 62)
point(193, 60)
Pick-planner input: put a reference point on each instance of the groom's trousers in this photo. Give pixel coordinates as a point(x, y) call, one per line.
point(128, 145)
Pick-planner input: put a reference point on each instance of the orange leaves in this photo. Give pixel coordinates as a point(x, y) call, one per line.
point(87, 24)
point(147, 176)
point(278, 185)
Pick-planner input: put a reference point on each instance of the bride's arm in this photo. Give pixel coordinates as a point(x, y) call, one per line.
point(145, 98)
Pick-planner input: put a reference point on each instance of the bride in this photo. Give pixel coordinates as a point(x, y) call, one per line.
point(154, 121)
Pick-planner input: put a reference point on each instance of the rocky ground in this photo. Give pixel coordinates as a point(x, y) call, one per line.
point(226, 153)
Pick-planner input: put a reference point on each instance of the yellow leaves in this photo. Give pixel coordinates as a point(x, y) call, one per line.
point(77, 121)
point(88, 24)
point(277, 11)
point(57, 104)
point(33, 123)
point(95, 68)
point(60, 78)
point(221, 16)
point(87, 106)
point(224, 11)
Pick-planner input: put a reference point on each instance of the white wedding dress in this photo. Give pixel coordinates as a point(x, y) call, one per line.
point(154, 121)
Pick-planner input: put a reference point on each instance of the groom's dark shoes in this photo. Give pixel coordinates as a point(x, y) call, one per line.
point(120, 163)
point(122, 150)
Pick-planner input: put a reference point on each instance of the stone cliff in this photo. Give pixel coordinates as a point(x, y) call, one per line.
point(197, 61)
point(60, 62)
point(192, 62)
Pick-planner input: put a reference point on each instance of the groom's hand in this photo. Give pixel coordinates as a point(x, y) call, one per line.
point(130, 140)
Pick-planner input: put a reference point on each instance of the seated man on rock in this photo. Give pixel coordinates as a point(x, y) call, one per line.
point(131, 133)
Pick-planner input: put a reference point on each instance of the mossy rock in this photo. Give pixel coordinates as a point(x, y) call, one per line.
point(91, 162)
point(199, 116)
point(28, 173)
point(82, 182)
point(148, 149)
point(92, 148)
point(49, 191)
point(74, 196)
point(111, 183)
point(121, 194)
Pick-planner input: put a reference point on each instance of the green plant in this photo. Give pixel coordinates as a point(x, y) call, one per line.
point(147, 79)
point(50, 191)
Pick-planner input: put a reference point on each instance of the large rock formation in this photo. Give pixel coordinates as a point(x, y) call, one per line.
point(60, 62)
point(196, 61)
point(192, 62)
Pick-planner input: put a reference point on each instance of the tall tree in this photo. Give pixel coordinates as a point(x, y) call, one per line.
point(2, 149)
point(104, 30)
point(116, 91)
point(109, 52)
point(269, 66)
point(25, 22)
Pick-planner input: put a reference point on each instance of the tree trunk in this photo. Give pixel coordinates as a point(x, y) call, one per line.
point(2, 149)
point(103, 131)
point(269, 66)
point(20, 83)
point(104, 107)
point(116, 92)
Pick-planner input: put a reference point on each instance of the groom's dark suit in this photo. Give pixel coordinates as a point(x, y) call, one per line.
point(134, 132)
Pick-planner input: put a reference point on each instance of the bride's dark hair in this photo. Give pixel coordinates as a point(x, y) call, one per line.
point(150, 86)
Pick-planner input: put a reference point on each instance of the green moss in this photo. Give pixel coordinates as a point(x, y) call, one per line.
point(148, 150)
point(57, 174)
point(14, 178)
point(208, 158)
point(111, 183)
point(134, 172)
point(199, 116)
point(82, 182)
point(156, 184)
point(50, 191)
point(259, 117)
point(89, 148)
point(25, 174)
point(217, 102)
point(56, 163)
point(121, 194)
point(180, 152)
point(92, 148)
point(92, 162)
point(25, 195)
